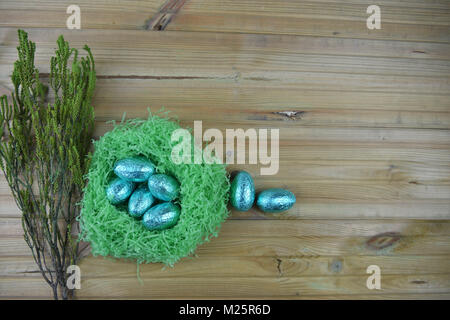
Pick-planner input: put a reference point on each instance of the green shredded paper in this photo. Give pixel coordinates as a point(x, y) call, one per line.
point(203, 196)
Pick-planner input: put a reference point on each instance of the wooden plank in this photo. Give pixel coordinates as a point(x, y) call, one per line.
point(314, 81)
point(323, 209)
point(237, 74)
point(205, 267)
point(296, 151)
point(101, 14)
point(358, 190)
point(160, 44)
point(330, 209)
point(233, 56)
point(351, 209)
point(424, 12)
point(384, 244)
point(115, 97)
point(113, 15)
point(402, 287)
point(336, 171)
point(291, 17)
point(288, 117)
point(302, 81)
point(356, 170)
point(292, 133)
point(325, 27)
point(267, 286)
point(313, 228)
point(232, 287)
point(398, 296)
point(360, 152)
point(344, 190)
point(163, 59)
point(314, 246)
point(268, 106)
point(264, 286)
point(267, 266)
point(333, 187)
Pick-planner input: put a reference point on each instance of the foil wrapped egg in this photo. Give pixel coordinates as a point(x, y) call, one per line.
point(163, 187)
point(162, 216)
point(242, 194)
point(119, 190)
point(140, 201)
point(135, 169)
point(275, 200)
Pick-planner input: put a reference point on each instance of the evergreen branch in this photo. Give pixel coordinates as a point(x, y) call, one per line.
point(44, 153)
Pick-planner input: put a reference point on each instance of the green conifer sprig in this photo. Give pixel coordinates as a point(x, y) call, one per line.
point(44, 153)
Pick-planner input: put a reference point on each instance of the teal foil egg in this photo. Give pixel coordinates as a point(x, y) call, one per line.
point(242, 191)
point(163, 187)
point(135, 169)
point(140, 201)
point(162, 216)
point(119, 190)
point(275, 200)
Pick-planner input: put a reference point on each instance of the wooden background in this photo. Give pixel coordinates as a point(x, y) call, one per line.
point(364, 118)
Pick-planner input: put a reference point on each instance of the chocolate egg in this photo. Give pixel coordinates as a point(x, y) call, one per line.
point(163, 187)
point(135, 169)
point(242, 192)
point(140, 201)
point(119, 190)
point(275, 200)
point(162, 216)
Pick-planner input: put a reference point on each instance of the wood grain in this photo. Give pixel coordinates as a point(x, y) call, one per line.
point(433, 209)
point(230, 287)
point(312, 246)
point(312, 228)
point(330, 18)
point(364, 119)
point(184, 82)
point(206, 267)
point(256, 105)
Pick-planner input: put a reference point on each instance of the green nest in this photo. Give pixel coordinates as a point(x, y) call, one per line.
point(203, 197)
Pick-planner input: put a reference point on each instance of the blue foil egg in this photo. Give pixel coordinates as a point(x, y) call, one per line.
point(163, 187)
point(162, 216)
point(135, 169)
point(140, 201)
point(119, 190)
point(242, 194)
point(275, 200)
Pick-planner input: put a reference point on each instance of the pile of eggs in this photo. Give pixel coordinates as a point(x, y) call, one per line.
point(243, 196)
point(148, 193)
